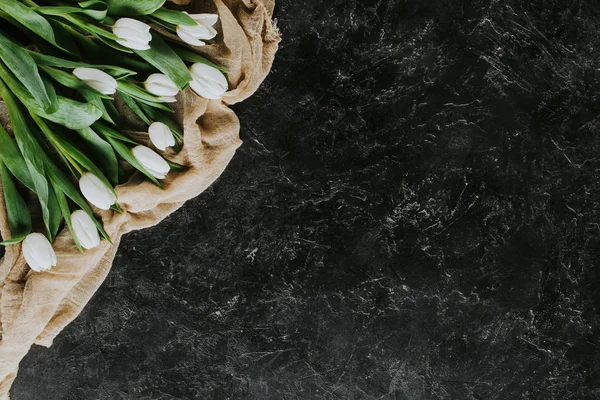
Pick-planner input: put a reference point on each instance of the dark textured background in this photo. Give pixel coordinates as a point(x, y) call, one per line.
point(414, 215)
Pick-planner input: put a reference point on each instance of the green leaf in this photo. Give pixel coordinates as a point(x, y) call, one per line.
point(100, 103)
point(174, 17)
point(99, 54)
point(55, 213)
point(114, 44)
point(105, 132)
point(133, 7)
point(164, 24)
point(103, 154)
point(95, 9)
point(127, 155)
point(70, 113)
point(72, 152)
point(31, 151)
point(62, 183)
point(137, 92)
point(50, 61)
point(16, 240)
point(193, 57)
point(140, 94)
point(97, 14)
point(18, 60)
point(13, 159)
point(66, 212)
point(156, 115)
point(30, 19)
point(51, 95)
point(177, 167)
point(57, 177)
point(130, 101)
point(112, 110)
point(72, 82)
point(106, 36)
point(64, 38)
point(54, 219)
point(17, 213)
point(117, 141)
point(164, 58)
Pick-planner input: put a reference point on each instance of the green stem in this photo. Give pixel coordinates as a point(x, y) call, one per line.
point(73, 162)
point(56, 143)
point(29, 3)
point(8, 81)
point(5, 93)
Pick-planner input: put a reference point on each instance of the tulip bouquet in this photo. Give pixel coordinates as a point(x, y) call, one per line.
point(68, 71)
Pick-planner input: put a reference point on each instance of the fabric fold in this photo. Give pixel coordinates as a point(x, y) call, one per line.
point(35, 307)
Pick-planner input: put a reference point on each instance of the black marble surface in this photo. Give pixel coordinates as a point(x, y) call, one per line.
point(414, 215)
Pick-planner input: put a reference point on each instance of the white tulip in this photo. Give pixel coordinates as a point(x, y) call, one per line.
point(203, 30)
point(161, 85)
point(38, 252)
point(99, 80)
point(208, 81)
point(161, 136)
point(85, 229)
point(151, 161)
point(132, 33)
point(96, 192)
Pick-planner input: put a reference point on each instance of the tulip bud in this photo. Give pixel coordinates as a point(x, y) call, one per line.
point(85, 230)
point(161, 136)
point(151, 161)
point(208, 81)
point(99, 80)
point(203, 30)
point(96, 192)
point(161, 85)
point(38, 252)
point(132, 33)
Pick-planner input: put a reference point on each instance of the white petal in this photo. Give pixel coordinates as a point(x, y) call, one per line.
point(38, 252)
point(204, 91)
point(201, 71)
point(96, 192)
point(98, 79)
point(85, 229)
point(157, 174)
point(189, 39)
point(161, 136)
point(151, 161)
point(216, 88)
point(161, 85)
point(132, 33)
point(198, 32)
point(208, 81)
point(205, 19)
point(133, 45)
point(131, 23)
